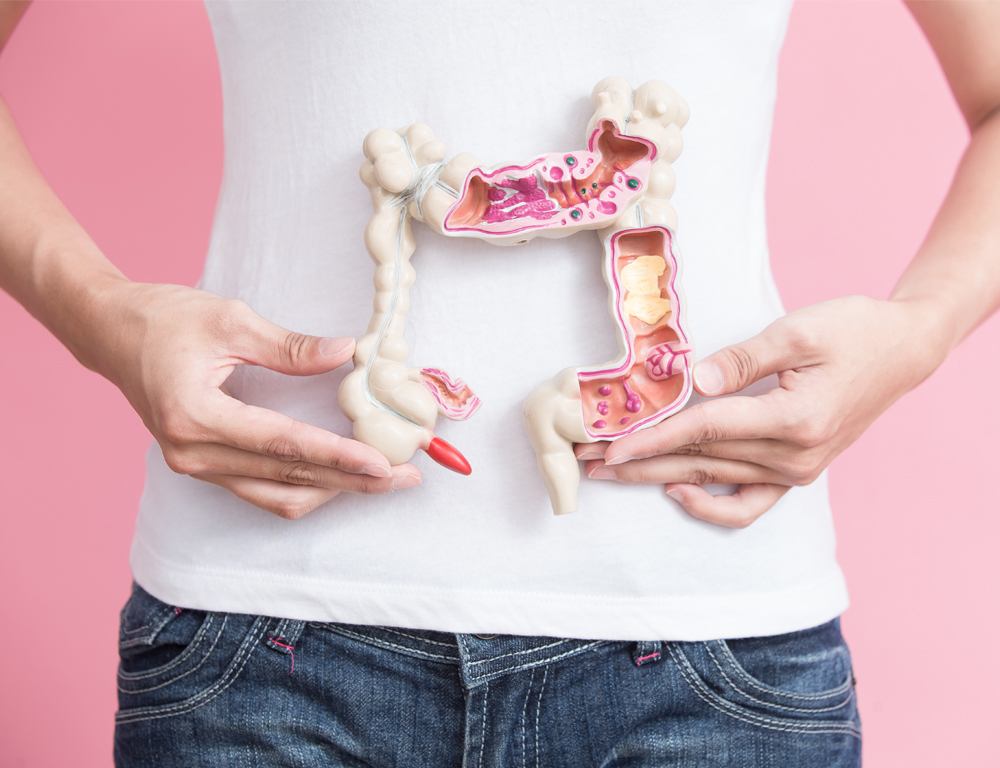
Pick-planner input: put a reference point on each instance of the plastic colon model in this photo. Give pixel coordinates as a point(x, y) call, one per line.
point(619, 185)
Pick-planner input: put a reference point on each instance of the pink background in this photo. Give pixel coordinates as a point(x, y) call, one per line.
point(120, 104)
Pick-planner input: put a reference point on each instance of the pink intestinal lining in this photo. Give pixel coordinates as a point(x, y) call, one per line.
point(629, 381)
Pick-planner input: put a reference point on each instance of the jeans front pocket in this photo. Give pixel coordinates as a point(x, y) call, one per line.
point(160, 644)
point(800, 681)
point(173, 660)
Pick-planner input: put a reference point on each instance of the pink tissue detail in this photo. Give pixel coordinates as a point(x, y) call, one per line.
point(660, 360)
point(527, 200)
point(634, 403)
point(455, 399)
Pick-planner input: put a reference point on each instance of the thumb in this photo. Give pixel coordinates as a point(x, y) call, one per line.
point(740, 365)
point(296, 354)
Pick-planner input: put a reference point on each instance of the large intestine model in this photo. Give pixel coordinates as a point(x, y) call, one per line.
point(621, 186)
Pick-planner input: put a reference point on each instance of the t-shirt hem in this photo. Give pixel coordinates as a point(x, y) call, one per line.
point(487, 611)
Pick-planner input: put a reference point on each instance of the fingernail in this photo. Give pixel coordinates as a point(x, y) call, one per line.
point(331, 347)
point(617, 460)
point(376, 470)
point(676, 495)
point(405, 481)
point(589, 453)
point(709, 378)
point(602, 473)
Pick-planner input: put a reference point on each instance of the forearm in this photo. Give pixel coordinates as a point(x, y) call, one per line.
point(955, 275)
point(48, 262)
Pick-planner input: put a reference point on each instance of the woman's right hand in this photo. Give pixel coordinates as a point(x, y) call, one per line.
point(169, 349)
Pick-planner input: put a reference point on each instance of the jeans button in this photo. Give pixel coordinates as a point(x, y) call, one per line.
point(485, 637)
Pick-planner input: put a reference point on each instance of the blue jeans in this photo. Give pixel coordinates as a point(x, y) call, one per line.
point(225, 690)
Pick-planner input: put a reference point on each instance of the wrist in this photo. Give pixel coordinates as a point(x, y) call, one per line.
point(74, 293)
point(103, 329)
point(927, 332)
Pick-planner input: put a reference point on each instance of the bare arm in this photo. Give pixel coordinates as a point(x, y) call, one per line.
point(841, 363)
point(11, 12)
point(959, 262)
point(170, 348)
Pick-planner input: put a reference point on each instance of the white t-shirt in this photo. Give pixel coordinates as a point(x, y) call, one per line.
point(303, 84)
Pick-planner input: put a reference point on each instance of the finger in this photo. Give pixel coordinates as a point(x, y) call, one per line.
point(671, 468)
point(269, 433)
point(735, 511)
point(793, 461)
point(263, 343)
point(586, 451)
point(212, 459)
point(288, 501)
point(777, 348)
point(730, 418)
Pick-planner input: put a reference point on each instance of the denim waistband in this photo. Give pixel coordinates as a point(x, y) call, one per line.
point(481, 657)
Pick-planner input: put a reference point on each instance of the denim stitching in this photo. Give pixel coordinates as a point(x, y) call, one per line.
point(493, 675)
point(482, 732)
point(538, 713)
point(524, 722)
point(775, 726)
point(518, 653)
point(202, 631)
point(714, 701)
point(163, 611)
point(287, 630)
point(421, 639)
point(807, 697)
point(381, 643)
point(707, 695)
point(275, 642)
point(200, 699)
point(175, 679)
point(804, 710)
point(195, 642)
point(162, 617)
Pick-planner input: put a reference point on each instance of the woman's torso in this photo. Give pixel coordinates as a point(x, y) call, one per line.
point(303, 83)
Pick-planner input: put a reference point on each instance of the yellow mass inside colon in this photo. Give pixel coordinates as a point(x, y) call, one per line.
point(641, 279)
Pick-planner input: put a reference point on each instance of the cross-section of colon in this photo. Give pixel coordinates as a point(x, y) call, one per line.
point(453, 396)
point(557, 191)
point(652, 380)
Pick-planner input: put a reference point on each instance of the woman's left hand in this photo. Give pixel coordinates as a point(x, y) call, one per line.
point(840, 363)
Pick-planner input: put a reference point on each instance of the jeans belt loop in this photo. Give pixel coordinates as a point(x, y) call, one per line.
point(647, 652)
